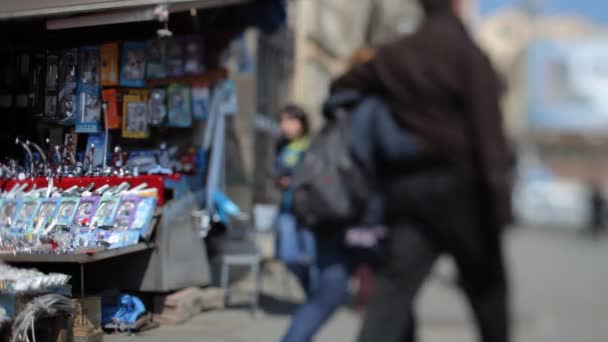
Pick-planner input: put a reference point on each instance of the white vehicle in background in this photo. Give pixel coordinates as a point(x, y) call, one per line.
point(540, 199)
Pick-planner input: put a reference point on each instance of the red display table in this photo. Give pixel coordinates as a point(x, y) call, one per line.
point(153, 181)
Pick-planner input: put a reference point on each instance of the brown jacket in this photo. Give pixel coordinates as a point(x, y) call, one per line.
point(442, 87)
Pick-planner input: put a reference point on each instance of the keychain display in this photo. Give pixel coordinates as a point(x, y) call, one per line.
point(49, 208)
point(133, 65)
point(89, 111)
point(52, 77)
point(84, 214)
point(113, 98)
point(125, 214)
point(175, 57)
point(89, 71)
point(117, 239)
point(52, 71)
point(67, 83)
point(179, 106)
point(109, 54)
point(26, 214)
point(67, 210)
point(38, 83)
point(121, 234)
point(157, 107)
point(88, 102)
point(143, 217)
point(98, 141)
point(48, 220)
point(157, 59)
point(200, 102)
point(228, 101)
point(194, 54)
point(8, 212)
point(106, 211)
point(135, 118)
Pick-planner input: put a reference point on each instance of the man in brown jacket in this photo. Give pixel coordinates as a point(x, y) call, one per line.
point(442, 89)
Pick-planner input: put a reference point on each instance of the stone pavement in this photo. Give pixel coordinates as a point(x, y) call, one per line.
point(560, 284)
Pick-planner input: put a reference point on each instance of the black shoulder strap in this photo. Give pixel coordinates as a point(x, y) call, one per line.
point(340, 100)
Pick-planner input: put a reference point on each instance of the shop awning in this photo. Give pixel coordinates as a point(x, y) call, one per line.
point(13, 9)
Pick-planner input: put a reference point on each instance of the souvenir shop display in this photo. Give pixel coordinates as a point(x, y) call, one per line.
point(67, 84)
point(89, 105)
point(52, 70)
point(94, 155)
point(24, 219)
point(179, 106)
point(8, 212)
point(133, 65)
point(71, 198)
point(52, 78)
point(200, 101)
point(135, 117)
point(49, 209)
point(113, 100)
point(109, 54)
point(65, 221)
point(88, 102)
point(104, 217)
point(37, 83)
point(194, 53)
point(144, 216)
point(111, 177)
point(157, 59)
point(89, 74)
point(175, 57)
point(157, 108)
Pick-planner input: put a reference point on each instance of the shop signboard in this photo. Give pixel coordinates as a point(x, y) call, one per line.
point(567, 86)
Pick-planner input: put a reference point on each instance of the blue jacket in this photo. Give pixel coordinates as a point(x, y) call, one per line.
point(377, 140)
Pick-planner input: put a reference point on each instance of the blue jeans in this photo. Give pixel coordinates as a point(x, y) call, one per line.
point(296, 248)
point(333, 267)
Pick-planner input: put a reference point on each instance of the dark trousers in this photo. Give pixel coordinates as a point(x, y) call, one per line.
point(430, 214)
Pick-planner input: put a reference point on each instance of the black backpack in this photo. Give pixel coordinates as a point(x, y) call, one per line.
point(330, 188)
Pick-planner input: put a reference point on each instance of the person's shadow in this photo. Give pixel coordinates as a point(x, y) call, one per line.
point(278, 306)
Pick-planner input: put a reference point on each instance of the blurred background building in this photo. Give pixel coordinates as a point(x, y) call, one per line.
point(328, 32)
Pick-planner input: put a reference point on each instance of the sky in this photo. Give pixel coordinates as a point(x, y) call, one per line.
point(596, 10)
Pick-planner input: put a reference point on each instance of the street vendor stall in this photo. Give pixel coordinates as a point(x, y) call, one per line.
point(113, 146)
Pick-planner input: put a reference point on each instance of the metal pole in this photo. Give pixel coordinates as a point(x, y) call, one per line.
point(82, 295)
point(81, 281)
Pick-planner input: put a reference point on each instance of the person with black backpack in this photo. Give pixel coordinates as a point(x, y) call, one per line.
point(454, 196)
point(295, 244)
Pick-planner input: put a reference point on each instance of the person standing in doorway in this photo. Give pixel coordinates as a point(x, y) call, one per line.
point(455, 199)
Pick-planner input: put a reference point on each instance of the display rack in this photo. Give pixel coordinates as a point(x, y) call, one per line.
point(79, 258)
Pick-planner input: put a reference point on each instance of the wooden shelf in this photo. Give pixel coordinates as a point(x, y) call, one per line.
point(209, 77)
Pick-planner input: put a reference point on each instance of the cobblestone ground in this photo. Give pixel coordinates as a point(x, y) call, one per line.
point(560, 283)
